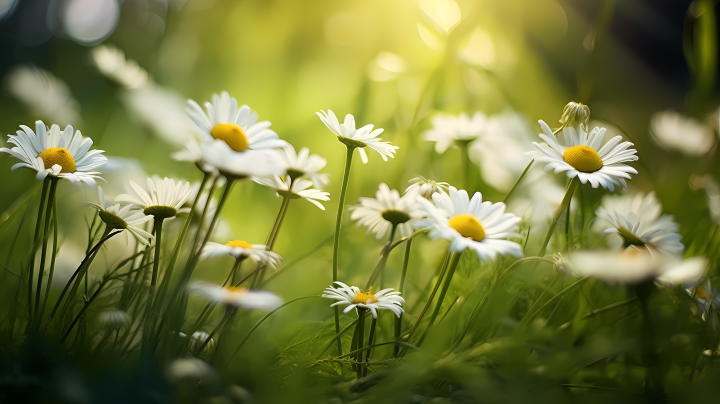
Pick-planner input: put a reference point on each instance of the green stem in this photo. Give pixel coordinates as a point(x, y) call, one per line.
point(265, 317)
point(568, 231)
point(228, 313)
point(198, 232)
point(36, 237)
point(448, 279)
point(337, 336)
point(150, 318)
point(293, 263)
point(260, 274)
point(338, 223)
point(517, 182)
point(539, 300)
point(558, 212)
point(52, 261)
point(43, 252)
point(385, 257)
point(361, 338)
point(598, 311)
point(481, 302)
point(82, 311)
point(552, 300)
point(371, 337)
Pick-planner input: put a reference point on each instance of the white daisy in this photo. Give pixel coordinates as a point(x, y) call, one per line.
point(164, 200)
point(673, 130)
point(123, 219)
point(425, 187)
point(386, 210)
point(217, 155)
point(449, 130)
point(304, 164)
point(112, 64)
point(237, 297)
point(44, 94)
point(582, 156)
point(638, 220)
point(239, 128)
point(241, 249)
point(353, 296)
point(359, 138)
point(300, 189)
point(61, 154)
point(471, 223)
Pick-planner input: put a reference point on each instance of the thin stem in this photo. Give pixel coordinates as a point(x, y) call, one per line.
point(448, 279)
point(293, 263)
point(481, 302)
point(337, 336)
point(228, 313)
point(36, 237)
point(598, 311)
point(52, 261)
point(338, 223)
point(552, 300)
point(539, 300)
point(260, 275)
point(43, 252)
point(517, 182)
point(558, 212)
point(568, 231)
point(385, 257)
point(401, 289)
point(149, 319)
point(371, 337)
point(361, 337)
point(82, 311)
point(198, 232)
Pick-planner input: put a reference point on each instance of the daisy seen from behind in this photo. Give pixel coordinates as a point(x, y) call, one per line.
point(357, 138)
point(461, 130)
point(237, 297)
point(586, 157)
point(482, 227)
point(639, 221)
point(126, 219)
point(163, 198)
point(304, 164)
point(55, 153)
point(388, 212)
point(352, 296)
point(300, 189)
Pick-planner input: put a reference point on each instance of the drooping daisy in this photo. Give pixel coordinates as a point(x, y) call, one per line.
point(638, 220)
point(672, 130)
point(219, 156)
point(238, 127)
point(237, 297)
point(304, 164)
point(123, 219)
point(449, 130)
point(358, 138)
point(582, 156)
point(425, 187)
point(471, 223)
point(241, 249)
point(387, 210)
point(112, 64)
point(300, 189)
point(61, 154)
point(164, 199)
point(353, 296)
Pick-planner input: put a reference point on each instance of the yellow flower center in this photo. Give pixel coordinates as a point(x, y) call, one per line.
point(59, 156)
point(583, 158)
point(239, 243)
point(362, 297)
point(468, 226)
point(231, 134)
point(235, 291)
point(701, 293)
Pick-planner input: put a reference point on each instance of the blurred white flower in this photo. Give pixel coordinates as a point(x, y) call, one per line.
point(450, 130)
point(425, 187)
point(189, 369)
point(162, 110)
point(112, 64)
point(638, 220)
point(387, 210)
point(673, 130)
point(300, 189)
point(260, 253)
point(237, 297)
point(304, 164)
point(197, 339)
point(43, 94)
point(385, 67)
point(114, 319)
point(358, 138)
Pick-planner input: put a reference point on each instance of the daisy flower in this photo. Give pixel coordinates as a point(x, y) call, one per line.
point(239, 249)
point(218, 156)
point(123, 219)
point(112, 64)
point(386, 211)
point(304, 164)
point(238, 127)
point(238, 297)
point(582, 156)
point(61, 154)
point(638, 220)
point(707, 298)
point(44, 94)
point(359, 138)
point(449, 130)
point(163, 200)
point(672, 130)
point(425, 187)
point(471, 224)
point(353, 296)
point(300, 189)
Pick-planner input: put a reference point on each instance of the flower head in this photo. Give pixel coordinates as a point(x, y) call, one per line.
point(61, 154)
point(582, 156)
point(687, 135)
point(358, 138)
point(237, 297)
point(448, 130)
point(44, 94)
point(163, 199)
point(575, 115)
point(353, 296)
point(238, 249)
point(112, 64)
point(471, 223)
point(386, 211)
point(638, 220)
point(123, 219)
point(304, 164)
point(425, 187)
point(218, 156)
point(300, 189)
point(237, 127)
